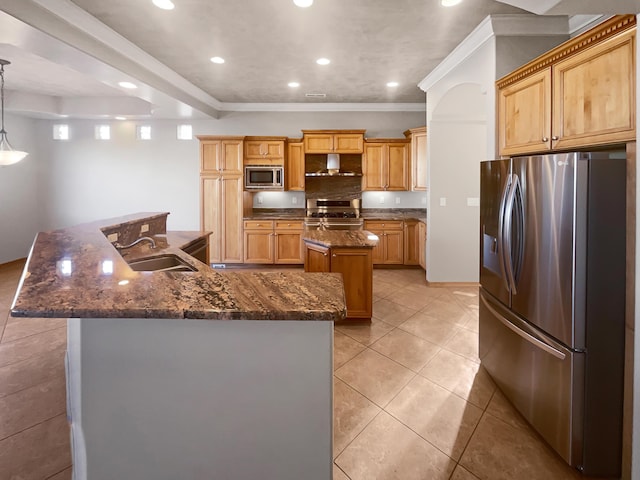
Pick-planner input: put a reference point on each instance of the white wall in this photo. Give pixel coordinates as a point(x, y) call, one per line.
point(83, 179)
point(20, 194)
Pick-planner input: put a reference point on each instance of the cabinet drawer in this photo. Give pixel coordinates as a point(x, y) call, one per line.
point(258, 225)
point(288, 225)
point(383, 225)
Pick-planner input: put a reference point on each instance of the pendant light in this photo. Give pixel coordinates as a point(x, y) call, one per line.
point(8, 155)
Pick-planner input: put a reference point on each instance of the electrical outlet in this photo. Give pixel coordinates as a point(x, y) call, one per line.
point(144, 228)
point(259, 197)
point(424, 200)
point(381, 199)
point(473, 202)
point(443, 201)
point(397, 200)
point(113, 237)
point(294, 200)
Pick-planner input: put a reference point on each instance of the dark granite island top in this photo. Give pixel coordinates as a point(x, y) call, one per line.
point(77, 272)
point(341, 238)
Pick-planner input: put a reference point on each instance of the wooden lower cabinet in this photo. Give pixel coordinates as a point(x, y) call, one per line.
point(356, 267)
point(222, 214)
point(422, 244)
point(390, 249)
point(411, 242)
point(269, 242)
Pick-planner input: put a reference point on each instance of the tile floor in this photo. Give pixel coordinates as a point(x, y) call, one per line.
point(410, 398)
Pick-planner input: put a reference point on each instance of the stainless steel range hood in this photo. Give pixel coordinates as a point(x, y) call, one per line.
point(333, 169)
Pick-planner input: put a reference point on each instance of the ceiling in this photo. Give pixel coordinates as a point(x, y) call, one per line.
point(69, 55)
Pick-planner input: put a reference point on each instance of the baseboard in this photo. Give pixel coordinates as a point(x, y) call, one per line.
point(453, 284)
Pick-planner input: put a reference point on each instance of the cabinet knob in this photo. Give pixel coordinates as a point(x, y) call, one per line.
point(545, 139)
point(333, 255)
point(555, 137)
point(325, 254)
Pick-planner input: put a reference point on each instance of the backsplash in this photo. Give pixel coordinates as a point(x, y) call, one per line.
point(369, 200)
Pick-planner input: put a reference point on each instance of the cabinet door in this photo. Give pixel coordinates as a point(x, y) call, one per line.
point(594, 95)
point(231, 158)
point(294, 167)
point(419, 161)
point(348, 143)
point(210, 214)
point(422, 244)
point(288, 247)
point(258, 246)
point(210, 152)
point(316, 258)
point(397, 166)
point(356, 268)
point(373, 172)
point(411, 242)
point(394, 247)
point(377, 253)
point(524, 115)
point(318, 143)
point(231, 219)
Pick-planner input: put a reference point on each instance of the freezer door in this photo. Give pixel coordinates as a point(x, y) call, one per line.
point(545, 268)
point(494, 177)
point(541, 378)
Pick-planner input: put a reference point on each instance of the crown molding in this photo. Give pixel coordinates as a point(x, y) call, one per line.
point(323, 107)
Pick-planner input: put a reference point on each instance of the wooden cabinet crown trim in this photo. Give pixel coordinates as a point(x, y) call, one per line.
point(387, 140)
point(598, 34)
point(413, 131)
point(332, 131)
point(265, 139)
point(220, 137)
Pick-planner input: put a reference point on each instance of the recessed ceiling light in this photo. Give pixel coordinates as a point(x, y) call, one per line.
point(392, 84)
point(121, 118)
point(449, 3)
point(127, 85)
point(303, 3)
point(164, 4)
point(293, 84)
point(217, 59)
point(323, 61)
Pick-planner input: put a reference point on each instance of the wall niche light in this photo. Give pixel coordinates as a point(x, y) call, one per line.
point(8, 156)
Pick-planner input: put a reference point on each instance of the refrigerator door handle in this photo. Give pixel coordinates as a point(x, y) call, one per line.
point(526, 336)
point(501, 241)
point(508, 231)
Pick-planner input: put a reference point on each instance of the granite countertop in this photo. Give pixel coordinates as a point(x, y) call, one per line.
point(366, 213)
point(76, 272)
point(276, 214)
point(341, 238)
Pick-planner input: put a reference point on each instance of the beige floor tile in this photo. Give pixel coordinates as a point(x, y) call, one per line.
point(460, 473)
point(36, 453)
point(406, 349)
point(382, 289)
point(375, 376)
point(466, 296)
point(410, 299)
point(391, 312)
point(351, 414)
point(387, 450)
point(344, 349)
point(23, 327)
point(67, 473)
point(339, 474)
point(447, 310)
point(465, 343)
point(501, 408)
point(365, 332)
point(31, 406)
point(500, 451)
point(437, 415)
point(26, 347)
point(461, 376)
point(473, 323)
point(435, 330)
point(31, 372)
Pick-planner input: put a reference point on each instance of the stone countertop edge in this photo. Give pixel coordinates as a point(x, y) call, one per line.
point(77, 273)
point(341, 238)
point(419, 214)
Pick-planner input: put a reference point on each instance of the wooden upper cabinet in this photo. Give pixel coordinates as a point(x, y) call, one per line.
point(594, 94)
point(221, 155)
point(418, 159)
point(524, 114)
point(333, 141)
point(385, 165)
point(264, 150)
point(579, 94)
point(294, 166)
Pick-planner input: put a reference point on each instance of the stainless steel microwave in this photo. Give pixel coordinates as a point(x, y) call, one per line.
point(263, 177)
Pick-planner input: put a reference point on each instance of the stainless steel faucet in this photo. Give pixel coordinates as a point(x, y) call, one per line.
point(135, 242)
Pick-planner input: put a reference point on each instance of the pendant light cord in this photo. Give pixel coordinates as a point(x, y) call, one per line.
point(2, 131)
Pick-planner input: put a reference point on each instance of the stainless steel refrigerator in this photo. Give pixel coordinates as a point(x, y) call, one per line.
point(552, 298)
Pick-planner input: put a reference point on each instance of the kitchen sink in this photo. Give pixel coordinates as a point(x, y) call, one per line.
point(161, 263)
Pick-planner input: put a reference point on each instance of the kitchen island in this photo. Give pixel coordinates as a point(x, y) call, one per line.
point(186, 374)
point(347, 252)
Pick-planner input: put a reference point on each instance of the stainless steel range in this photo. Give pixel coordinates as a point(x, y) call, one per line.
point(326, 214)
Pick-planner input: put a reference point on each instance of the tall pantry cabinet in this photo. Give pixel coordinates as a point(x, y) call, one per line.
point(221, 194)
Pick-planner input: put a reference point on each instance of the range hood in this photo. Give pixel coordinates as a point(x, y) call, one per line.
point(333, 169)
